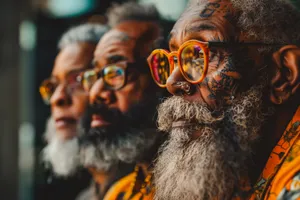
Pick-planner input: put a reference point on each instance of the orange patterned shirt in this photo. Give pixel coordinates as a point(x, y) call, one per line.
point(135, 186)
point(280, 179)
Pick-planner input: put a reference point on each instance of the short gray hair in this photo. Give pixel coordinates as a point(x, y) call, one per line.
point(269, 21)
point(90, 33)
point(131, 11)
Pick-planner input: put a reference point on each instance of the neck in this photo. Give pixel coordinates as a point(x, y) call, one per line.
point(146, 167)
point(104, 179)
point(271, 133)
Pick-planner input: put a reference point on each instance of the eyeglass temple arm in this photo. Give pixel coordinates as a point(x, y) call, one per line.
point(225, 44)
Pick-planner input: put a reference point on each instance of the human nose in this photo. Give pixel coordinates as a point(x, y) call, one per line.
point(177, 85)
point(99, 94)
point(60, 97)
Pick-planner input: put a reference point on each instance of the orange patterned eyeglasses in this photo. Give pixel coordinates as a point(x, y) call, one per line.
point(192, 58)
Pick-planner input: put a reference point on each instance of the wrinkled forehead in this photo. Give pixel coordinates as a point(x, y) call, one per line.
point(115, 42)
point(73, 57)
point(128, 39)
point(118, 38)
point(204, 15)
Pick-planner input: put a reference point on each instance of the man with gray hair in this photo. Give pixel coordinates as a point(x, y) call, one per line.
point(123, 101)
point(234, 119)
point(67, 98)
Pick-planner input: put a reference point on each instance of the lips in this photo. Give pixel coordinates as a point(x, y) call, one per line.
point(98, 121)
point(65, 122)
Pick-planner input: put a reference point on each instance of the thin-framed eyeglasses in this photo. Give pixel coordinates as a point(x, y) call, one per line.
point(71, 83)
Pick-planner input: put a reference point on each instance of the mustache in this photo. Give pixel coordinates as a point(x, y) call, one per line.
point(94, 134)
point(110, 114)
point(139, 114)
point(176, 108)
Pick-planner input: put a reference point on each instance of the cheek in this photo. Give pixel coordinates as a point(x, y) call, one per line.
point(132, 94)
point(79, 104)
point(220, 85)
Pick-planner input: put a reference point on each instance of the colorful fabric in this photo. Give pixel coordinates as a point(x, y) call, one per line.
point(135, 186)
point(280, 178)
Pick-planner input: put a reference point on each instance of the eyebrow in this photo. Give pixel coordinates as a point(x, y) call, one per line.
point(110, 60)
point(68, 73)
point(75, 71)
point(201, 27)
point(116, 58)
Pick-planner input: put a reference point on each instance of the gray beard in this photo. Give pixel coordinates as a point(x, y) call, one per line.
point(129, 148)
point(210, 166)
point(61, 154)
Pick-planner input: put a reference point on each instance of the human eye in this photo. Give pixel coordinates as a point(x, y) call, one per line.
point(114, 76)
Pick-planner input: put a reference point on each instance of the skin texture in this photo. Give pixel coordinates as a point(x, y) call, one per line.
point(229, 68)
point(72, 59)
point(233, 70)
point(122, 44)
point(232, 102)
point(127, 42)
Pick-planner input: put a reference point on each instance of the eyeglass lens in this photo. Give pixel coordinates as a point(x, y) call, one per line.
point(113, 76)
point(160, 67)
point(192, 60)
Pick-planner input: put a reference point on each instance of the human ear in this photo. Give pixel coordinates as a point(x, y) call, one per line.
point(286, 81)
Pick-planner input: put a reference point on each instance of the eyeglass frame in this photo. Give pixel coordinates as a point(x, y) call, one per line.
point(205, 47)
point(65, 83)
point(100, 72)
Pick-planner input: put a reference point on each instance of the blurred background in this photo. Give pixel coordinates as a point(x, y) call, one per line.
point(30, 30)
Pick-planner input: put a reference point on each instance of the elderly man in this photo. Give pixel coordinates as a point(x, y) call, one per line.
point(66, 96)
point(68, 101)
point(123, 98)
point(234, 119)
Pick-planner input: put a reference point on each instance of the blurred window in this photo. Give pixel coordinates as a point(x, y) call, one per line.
point(69, 8)
point(169, 9)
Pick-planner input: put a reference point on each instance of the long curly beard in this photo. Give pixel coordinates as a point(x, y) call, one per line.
point(211, 166)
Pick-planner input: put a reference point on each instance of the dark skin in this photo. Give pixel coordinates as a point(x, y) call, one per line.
point(71, 60)
point(234, 70)
point(124, 43)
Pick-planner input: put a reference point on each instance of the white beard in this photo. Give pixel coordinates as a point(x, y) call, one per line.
point(105, 154)
point(60, 153)
point(211, 166)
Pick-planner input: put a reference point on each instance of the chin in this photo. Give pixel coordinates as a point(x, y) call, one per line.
point(67, 134)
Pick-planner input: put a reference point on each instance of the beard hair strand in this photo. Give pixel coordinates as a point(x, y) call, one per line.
point(211, 166)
